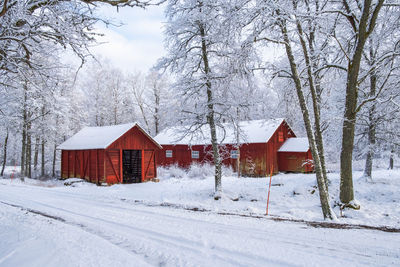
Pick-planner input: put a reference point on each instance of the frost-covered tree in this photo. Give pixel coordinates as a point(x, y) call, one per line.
point(106, 94)
point(205, 53)
point(162, 106)
point(296, 25)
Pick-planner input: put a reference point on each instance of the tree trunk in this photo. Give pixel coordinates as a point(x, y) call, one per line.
point(4, 154)
point(323, 191)
point(23, 148)
point(365, 27)
point(36, 155)
point(24, 124)
point(211, 118)
point(371, 115)
point(391, 160)
point(28, 150)
point(238, 142)
point(371, 130)
point(54, 160)
point(317, 113)
point(156, 111)
point(141, 107)
point(42, 173)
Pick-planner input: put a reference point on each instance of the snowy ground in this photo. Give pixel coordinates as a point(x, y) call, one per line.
point(50, 224)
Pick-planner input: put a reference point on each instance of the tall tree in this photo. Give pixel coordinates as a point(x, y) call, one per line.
point(362, 20)
point(205, 53)
point(294, 24)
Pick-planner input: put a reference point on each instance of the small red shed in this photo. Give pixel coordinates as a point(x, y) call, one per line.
point(295, 156)
point(122, 153)
point(259, 143)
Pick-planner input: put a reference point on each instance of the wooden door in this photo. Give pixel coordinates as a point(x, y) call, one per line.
point(149, 164)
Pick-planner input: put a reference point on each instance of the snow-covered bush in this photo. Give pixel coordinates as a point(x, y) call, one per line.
point(195, 171)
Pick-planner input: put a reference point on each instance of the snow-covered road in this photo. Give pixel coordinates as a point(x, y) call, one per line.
point(81, 229)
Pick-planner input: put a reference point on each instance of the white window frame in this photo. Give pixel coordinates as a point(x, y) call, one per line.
point(235, 154)
point(168, 153)
point(195, 154)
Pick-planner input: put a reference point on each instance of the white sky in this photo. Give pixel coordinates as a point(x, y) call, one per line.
point(138, 43)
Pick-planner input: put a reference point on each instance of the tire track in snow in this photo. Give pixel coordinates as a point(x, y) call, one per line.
point(224, 255)
point(220, 253)
point(108, 209)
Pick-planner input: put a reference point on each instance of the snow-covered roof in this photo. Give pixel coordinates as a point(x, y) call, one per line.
point(255, 131)
point(99, 137)
point(295, 144)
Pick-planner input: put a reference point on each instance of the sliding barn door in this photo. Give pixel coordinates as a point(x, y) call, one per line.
point(132, 166)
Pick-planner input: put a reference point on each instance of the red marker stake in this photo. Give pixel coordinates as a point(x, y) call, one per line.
point(12, 174)
point(269, 188)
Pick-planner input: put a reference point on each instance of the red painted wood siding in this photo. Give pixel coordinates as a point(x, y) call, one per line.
point(149, 164)
point(112, 166)
point(105, 165)
point(83, 164)
point(256, 159)
point(133, 139)
point(295, 161)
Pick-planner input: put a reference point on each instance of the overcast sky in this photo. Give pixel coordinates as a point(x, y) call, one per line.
point(138, 43)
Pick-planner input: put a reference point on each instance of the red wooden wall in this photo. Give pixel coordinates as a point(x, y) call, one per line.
point(256, 159)
point(295, 161)
point(85, 164)
point(105, 165)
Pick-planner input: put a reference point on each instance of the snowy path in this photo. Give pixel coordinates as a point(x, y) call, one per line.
point(91, 231)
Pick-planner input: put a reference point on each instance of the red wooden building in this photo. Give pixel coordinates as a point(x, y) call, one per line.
point(295, 156)
point(110, 154)
point(259, 142)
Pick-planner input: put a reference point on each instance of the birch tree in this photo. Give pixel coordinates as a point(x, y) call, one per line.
point(283, 22)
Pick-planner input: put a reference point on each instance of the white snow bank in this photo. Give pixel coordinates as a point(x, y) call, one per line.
point(293, 196)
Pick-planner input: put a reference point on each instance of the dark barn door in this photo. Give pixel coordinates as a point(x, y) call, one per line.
point(132, 166)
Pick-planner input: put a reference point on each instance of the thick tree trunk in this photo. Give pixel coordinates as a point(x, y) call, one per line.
point(323, 191)
point(365, 27)
point(211, 118)
point(4, 154)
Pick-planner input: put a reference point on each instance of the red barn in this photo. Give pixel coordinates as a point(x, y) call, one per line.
point(110, 154)
point(259, 143)
point(295, 156)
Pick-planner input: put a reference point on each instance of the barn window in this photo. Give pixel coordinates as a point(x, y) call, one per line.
point(234, 154)
point(280, 137)
point(195, 154)
point(168, 153)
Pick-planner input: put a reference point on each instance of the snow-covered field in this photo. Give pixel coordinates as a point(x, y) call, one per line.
point(177, 223)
